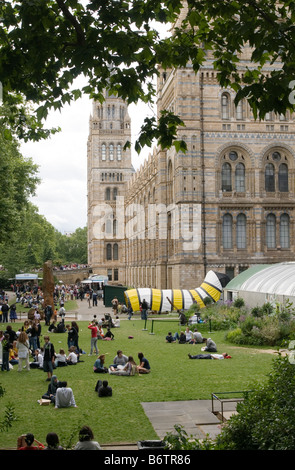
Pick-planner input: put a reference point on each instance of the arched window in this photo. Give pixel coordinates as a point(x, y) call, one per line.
point(240, 110)
point(227, 231)
point(225, 106)
point(241, 231)
point(119, 152)
point(115, 193)
point(285, 231)
point(226, 177)
point(103, 151)
point(115, 228)
point(109, 226)
point(283, 178)
point(109, 251)
point(115, 251)
point(108, 194)
point(240, 178)
point(111, 152)
point(269, 177)
point(271, 231)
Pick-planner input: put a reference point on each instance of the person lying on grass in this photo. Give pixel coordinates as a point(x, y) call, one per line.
point(210, 356)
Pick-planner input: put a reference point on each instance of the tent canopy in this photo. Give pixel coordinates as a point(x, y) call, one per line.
point(96, 278)
point(269, 279)
point(26, 277)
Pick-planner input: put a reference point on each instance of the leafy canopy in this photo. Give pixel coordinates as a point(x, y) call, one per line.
point(45, 45)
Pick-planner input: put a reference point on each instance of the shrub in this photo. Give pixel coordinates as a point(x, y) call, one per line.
point(239, 302)
point(266, 418)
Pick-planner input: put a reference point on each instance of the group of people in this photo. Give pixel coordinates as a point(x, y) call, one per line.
point(59, 394)
point(209, 351)
point(122, 365)
point(6, 309)
point(86, 441)
point(97, 332)
point(187, 336)
point(18, 347)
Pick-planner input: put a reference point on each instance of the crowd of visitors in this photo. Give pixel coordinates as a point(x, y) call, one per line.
point(24, 349)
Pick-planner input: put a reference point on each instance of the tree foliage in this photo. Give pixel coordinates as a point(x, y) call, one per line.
point(19, 181)
point(37, 241)
point(45, 45)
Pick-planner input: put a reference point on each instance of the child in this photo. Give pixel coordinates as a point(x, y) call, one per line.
point(61, 359)
point(72, 358)
point(38, 360)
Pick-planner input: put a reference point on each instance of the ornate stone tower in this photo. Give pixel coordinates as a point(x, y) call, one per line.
point(109, 169)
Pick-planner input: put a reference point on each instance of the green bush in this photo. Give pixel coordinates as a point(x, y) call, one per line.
point(239, 302)
point(266, 418)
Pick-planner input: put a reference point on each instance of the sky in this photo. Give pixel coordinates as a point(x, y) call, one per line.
point(61, 197)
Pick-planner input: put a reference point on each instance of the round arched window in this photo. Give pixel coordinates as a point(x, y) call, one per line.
point(276, 156)
point(233, 156)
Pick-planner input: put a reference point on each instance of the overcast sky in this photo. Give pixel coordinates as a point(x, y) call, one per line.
point(62, 194)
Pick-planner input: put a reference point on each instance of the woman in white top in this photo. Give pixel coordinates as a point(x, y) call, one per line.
point(61, 358)
point(72, 357)
point(22, 345)
point(188, 335)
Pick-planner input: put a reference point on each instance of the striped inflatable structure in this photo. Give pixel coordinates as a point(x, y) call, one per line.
point(180, 298)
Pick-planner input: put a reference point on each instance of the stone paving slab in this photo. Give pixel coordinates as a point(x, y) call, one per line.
point(195, 416)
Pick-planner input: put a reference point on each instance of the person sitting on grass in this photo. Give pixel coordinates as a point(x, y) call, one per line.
point(99, 367)
point(86, 440)
point(61, 359)
point(119, 360)
point(130, 368)
point(109, 335)
point(72, 358)
point(51, 391)
point(170, 338)
point(26, 441)
point(103, 389)
point(38, 360)
point(64, 397)
point(144, 365)
point(210, 346)
point(198, 337)
point(182, 338)
point(189, 336)
point(52, 442)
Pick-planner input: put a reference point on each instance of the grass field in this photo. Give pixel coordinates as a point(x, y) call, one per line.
point(121, 418)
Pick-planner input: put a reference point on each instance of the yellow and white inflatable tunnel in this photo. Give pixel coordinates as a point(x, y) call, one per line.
point(181, 298)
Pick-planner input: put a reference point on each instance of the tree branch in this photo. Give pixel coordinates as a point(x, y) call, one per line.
point(73, 21)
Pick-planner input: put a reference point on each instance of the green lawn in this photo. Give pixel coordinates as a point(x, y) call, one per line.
point(121, 418)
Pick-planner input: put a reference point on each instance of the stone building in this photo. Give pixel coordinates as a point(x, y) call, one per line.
point(108, 170)
point(225, 204)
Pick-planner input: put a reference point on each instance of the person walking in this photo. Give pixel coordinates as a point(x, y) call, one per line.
point(144, 308)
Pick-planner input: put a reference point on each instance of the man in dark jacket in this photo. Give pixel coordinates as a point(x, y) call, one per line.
point(49, 356)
